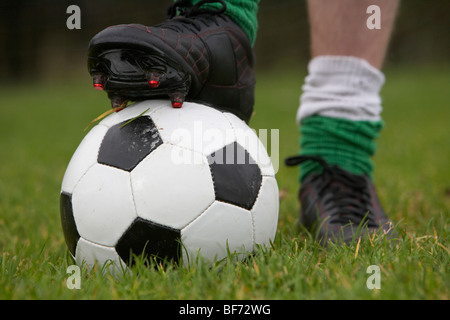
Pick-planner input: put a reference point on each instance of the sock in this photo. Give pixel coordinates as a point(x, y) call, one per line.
point(339, 115)
point(243, 12)
point(346, 143)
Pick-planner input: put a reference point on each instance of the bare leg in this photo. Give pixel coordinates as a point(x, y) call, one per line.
point(338, 27)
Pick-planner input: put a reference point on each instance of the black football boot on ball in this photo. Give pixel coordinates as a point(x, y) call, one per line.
point(339, 206)
point(199, 55)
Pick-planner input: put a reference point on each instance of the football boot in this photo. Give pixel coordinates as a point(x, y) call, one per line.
point(339, 206)
point(198, 54)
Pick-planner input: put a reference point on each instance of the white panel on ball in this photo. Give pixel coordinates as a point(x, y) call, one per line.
point(170, 192)
point(90, 253)
point(138, 108)
point(265, 212)
point(84, 157)
point(103, 204)
point(194, 127)
point(221, 225)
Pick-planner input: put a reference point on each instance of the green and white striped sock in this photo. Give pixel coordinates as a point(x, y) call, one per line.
point(347, 143)
point(339, 115)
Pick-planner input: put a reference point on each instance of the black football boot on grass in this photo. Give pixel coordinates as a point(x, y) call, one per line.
point(339, 206)
point(200, 55)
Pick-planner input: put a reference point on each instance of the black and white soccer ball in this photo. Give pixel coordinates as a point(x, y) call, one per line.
point(177, 184)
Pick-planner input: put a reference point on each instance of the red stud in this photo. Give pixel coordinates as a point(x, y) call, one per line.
point(98, 80)
point(153, 80)
point(98, 86)
point(177, 99)
point(117, 102)
point(153, 84)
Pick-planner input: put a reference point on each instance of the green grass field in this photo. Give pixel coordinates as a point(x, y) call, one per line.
point(41, 126)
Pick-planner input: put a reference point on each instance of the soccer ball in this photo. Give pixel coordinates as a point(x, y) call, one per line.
point(186, 184)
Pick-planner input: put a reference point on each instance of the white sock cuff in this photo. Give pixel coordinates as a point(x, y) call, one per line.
point(342, 87)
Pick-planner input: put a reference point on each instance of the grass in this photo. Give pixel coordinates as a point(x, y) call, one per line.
point(41, 125)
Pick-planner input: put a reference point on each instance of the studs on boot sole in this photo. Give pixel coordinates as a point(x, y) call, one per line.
point(98, 81)
point(153, 79)
point(177, 99)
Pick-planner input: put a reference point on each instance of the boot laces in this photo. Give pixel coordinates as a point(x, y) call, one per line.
point(345, 194)
point(187, 9)
point(188, 14)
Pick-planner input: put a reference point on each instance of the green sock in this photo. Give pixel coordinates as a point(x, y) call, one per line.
point(346, 143)
point(243, 12)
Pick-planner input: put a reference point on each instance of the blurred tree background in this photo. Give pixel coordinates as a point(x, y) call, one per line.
point(36, 45)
